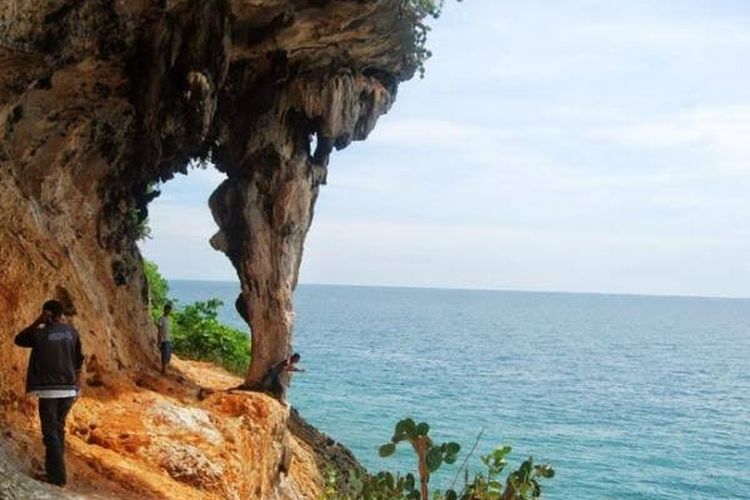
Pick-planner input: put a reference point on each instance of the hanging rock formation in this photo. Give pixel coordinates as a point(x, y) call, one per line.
point(101, 99)
point(327, 73)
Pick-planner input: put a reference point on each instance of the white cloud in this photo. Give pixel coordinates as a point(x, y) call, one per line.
point(179, 221)
point(722, 131)
point(471, 143)
point(181, 225)
point(540, 42)
point(437, 133)
point(678, 35)
point(341, 251)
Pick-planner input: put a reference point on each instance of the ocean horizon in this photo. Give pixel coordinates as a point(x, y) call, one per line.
point(479, 289)
point(626, 396)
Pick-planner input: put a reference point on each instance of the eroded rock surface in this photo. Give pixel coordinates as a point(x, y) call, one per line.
point(184, 436)
point(100, 99)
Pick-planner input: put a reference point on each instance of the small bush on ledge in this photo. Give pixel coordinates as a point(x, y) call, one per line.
point(196, 330)
point(198, 334)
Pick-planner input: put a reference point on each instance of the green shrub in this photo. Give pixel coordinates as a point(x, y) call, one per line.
point(417, 12)
point(430, 456)
point(198, 334)
point(521, 484)
point(158, 288)
point(196, 330)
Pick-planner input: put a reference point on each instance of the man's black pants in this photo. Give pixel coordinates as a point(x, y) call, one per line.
point(52, 413)
point(272, 383)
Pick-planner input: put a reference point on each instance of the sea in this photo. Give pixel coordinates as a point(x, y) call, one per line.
point(625, 396)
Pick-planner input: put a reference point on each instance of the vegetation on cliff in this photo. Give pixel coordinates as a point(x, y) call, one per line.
point(420, 11)
point(521, 484)
point(158, 289)
point(197, 332)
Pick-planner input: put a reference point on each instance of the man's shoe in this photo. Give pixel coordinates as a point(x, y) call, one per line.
point(40, 476)
point(43, 477)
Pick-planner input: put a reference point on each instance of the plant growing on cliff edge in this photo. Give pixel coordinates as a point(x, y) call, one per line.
point(417, 11)
point(197, 332)
point(429, 455)
point(158, 288)
point(521, 484)
point(137, 217)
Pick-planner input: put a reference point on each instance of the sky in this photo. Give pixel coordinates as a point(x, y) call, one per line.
point(574, 145)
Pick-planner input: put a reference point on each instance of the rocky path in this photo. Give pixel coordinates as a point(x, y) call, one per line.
point(177, 436)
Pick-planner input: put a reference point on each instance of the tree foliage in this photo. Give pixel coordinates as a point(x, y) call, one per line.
point(158, 289)
point(196, 330)
point(419, 12)
point(198, 334)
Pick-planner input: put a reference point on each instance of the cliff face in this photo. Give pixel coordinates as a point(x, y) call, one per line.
point(100, 99)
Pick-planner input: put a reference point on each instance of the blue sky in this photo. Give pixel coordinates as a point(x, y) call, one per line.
point(570, 146)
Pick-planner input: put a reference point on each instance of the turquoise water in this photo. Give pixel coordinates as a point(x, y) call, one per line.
point(626, 396)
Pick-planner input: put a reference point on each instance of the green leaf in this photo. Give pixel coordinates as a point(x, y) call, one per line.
point(452, 448)
point(525, 469)
point(387, 450)
point(422, 429)
point(390, 481)
point(409, 482)
point(501, 453)
point(406, 427)
point(536, 489)
point(434, 459)
point(545, 471)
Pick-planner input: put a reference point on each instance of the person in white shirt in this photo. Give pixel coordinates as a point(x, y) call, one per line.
point(164, 341)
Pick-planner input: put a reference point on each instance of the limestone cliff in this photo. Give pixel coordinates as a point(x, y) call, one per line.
point(99, 100)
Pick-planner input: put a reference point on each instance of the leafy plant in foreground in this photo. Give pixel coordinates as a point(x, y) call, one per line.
point(521, 484)
point(429, 455)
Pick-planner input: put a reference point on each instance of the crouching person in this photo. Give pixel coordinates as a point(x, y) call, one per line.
point(54, 377)
point(272, 382)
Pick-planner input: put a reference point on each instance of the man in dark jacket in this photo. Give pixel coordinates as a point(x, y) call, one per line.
point(53, 376)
